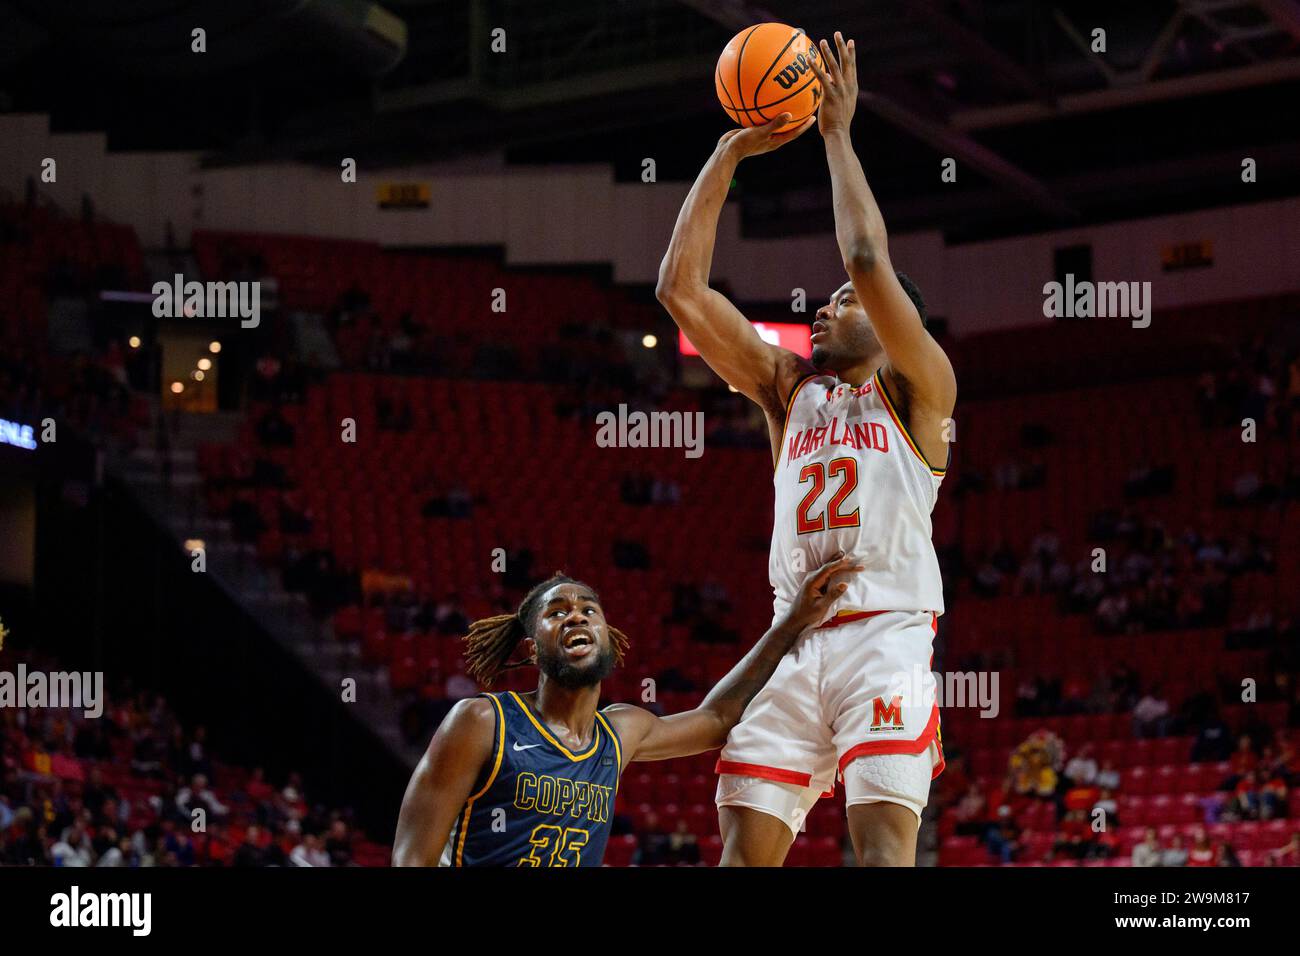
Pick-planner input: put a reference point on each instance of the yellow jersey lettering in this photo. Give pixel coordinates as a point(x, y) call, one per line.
point(526, 791)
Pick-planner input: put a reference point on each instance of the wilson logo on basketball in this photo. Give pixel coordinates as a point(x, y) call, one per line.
point(796, 68)
point(887, 717)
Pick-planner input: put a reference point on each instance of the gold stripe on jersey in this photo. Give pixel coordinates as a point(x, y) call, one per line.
point(794, 393)
point(496, 767)
point(595, 740)
point(907, 436)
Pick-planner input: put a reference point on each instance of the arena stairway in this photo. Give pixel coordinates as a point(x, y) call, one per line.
point(175, 503)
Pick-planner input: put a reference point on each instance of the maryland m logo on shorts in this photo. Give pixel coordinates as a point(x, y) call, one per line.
point(887, 716)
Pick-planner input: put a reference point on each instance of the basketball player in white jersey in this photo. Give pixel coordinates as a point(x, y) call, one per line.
point(860, 447)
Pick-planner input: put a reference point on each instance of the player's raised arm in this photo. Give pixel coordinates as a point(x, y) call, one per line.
point(910, 350)
point(647, 736)
point(442, 782)
point(724, 337)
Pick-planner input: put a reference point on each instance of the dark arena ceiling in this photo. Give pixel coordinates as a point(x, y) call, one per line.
point(1045, 131)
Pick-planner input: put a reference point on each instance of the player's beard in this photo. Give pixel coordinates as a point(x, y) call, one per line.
point(859, 344)
point(571, 676)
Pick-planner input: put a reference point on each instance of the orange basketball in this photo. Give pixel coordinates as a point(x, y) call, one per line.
point(764, 71)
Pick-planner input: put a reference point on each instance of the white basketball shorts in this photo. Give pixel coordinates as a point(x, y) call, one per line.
point(854, 699)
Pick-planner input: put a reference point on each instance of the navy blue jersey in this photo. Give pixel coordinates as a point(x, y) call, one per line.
point(537, 803)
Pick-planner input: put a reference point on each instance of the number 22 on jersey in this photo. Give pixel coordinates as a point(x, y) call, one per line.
point(833, 515)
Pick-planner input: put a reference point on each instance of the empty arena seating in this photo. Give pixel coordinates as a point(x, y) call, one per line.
point(1094, 417)
point(538, 481)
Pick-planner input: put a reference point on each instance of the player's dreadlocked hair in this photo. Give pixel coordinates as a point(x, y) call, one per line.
point(492, 640)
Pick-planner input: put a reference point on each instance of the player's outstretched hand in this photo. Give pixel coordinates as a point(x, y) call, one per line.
point(839, 78)
point(753, 140)
point(820, 590)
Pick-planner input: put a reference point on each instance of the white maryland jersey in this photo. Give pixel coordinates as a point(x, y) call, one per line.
point(850, 478)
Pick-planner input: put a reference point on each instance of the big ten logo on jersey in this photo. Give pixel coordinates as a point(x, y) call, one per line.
point(559, 796)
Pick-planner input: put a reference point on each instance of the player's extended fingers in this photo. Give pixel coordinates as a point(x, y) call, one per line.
point(819, 71)
point(843, 50)
point(776, 122)
point(832, 65)
point(851, 67)
point(784, 137)
point(837, 583)
point(838, 564)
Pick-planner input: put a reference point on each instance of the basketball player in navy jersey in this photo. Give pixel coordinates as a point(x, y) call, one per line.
point(860, 447)
point(529, 779)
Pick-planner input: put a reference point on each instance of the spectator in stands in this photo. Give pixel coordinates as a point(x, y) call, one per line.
point(118, 854)
point(198, 795)
point(1213, 740)
point(449, 617)
point(1175, 854)
point(338, 844)
point(652, 843)
point(289, 805)
point(1081, 771)
point(196, 759)
point(1272, 795)
point(1285, 762)
point(146, 760)
point(73, 847)
point(1288, 855)
point(1109, 806)
point(256, 788)
point(95, 796)
point(309, 852)
point(1112, 613)
point(180, 847)
point(1151, 714)
point(1243, 760)
point(27, 840)
point(215, 847)
point(1247, 798)
point(683, 847)
point(1202, 852)
point(1074, 838)
point(971, 811)
point(1108, 777)
point(1225, 855)
point(250, 852)
point(1003, 836)
point(1148, 853)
